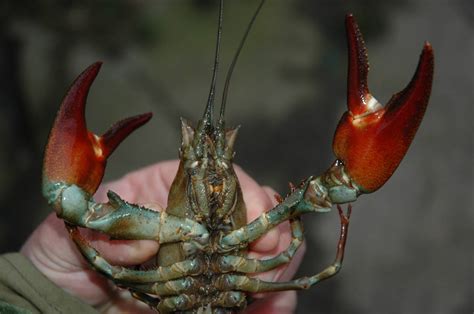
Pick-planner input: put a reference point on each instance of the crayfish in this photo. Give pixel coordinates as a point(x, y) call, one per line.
point(203, 233)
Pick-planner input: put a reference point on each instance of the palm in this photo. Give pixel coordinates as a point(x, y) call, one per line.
point(52, 252)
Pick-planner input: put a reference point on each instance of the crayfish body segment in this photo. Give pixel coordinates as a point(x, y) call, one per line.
point(204, 235)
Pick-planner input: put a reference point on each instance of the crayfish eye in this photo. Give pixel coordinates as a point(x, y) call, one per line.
point(338, 163)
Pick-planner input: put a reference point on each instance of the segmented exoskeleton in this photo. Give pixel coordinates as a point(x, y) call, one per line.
point(202, 264)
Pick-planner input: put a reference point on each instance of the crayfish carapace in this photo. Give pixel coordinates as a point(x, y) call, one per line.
point(202, 264)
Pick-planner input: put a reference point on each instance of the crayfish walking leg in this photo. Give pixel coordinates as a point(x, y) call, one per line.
point(245, 283)
point(235, 263)
point(123, 274)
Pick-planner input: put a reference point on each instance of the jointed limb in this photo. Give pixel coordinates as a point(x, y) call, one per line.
point(229, 195)
point(234, 263)
point(123, 274)
point(230, 299)
point(119, 219)
point(315, 194)
point(171, 287)
point(293, 206)
point(225, 299)
point(244, 283)
point(177, 303)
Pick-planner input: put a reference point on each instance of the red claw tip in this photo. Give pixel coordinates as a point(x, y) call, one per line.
point(120, 130)
point(74, 155)
point(358, 95)
point(370, 139)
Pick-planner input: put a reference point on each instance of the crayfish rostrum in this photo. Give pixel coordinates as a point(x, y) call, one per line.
point(202, 264)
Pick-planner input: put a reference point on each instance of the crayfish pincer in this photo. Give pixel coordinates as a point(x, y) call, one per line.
point(202, 265)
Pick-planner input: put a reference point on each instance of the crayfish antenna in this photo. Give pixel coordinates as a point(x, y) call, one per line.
point(234, 61)
point(206, 125)
point(74, 155)
point(223, 146)
point(208, 117)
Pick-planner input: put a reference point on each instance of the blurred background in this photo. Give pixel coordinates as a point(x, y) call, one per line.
point(409, 247)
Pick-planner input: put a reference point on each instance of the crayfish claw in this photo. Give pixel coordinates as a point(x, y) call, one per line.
point(371, 140)
point(74, 155)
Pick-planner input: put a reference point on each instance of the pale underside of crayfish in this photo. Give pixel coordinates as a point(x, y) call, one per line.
point(203, 233)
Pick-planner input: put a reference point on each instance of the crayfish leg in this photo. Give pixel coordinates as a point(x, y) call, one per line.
point(124, 274)
point(255, 285)
point(235, 263)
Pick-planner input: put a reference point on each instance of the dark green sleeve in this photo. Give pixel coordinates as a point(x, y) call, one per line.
point(24, 289)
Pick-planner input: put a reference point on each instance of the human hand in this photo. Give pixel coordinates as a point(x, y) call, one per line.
point(55, 255)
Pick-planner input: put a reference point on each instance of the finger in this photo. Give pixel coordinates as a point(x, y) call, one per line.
point(257, 201)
